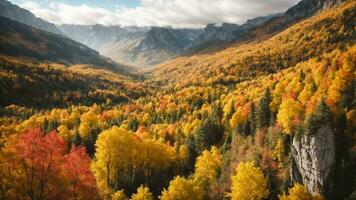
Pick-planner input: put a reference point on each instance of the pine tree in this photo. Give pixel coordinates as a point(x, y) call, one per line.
point(90, 144)
point(251, 124)
point(201, 138)
point(192, 153)
point(77, 140)
point(209, 133)
point(321, 117)
point(264, 111)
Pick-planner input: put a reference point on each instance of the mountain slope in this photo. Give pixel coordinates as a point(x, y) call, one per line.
point(272, 117)
point(16, 13)
point(302, 10)
point(17, 39)
point(140, 46)
point(150, 48)
point(224, 34)
point(46, 85)
point(332, 28)
point(217, 38)
point(94, 36)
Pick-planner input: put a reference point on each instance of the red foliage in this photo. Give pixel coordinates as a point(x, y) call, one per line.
point(40, 168)
point(76, 169)
point(37, 159)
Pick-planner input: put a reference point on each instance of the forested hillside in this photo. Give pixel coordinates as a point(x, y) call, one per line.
point(20, 40)
point(272, 118)
point(46, 85)
point(331, 29)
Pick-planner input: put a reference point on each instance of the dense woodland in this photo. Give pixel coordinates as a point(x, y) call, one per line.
point(222, 132)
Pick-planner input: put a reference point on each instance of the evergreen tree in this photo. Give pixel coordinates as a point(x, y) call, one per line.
point(77, 140)
point(201, 138)
point(192, 153)
point(90, 144)
point(209, 133)
point(133, 124)
point(321, 117)
point(251, 124)
point(264, 111)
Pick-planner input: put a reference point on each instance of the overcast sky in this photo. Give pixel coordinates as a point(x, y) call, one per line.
point(176, 13)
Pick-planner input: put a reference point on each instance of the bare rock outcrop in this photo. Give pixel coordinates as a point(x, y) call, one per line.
point(314, 160)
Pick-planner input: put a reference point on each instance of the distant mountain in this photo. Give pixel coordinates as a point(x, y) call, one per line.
point(302, 10)
point(94, 36)
point(151, 48)
point(215, 34)
point(321, 33)
point(134, 45)
point(141, 46)
point(20, 40)
point(16, 13)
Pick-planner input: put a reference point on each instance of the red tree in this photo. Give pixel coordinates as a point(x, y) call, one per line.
point(76, 169)
point(40, 169)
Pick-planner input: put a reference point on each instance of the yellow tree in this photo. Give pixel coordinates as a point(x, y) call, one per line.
point(236, 119)
point(206, 167)
point(181, 188)
point(249, 183)
point(279, 151)
point(115, 148)
point(299, 192)
point(343, 80)
point(289, 114)
point(64, 132)
point(119, 195)
point(143, 193)
point(306, 93)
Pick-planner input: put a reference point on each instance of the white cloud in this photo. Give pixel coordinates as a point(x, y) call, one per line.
point(177, 13)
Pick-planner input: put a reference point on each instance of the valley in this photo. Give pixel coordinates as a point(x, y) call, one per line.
point(264, 109)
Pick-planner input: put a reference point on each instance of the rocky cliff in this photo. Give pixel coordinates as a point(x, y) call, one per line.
point(313, 160)
point(219, 34)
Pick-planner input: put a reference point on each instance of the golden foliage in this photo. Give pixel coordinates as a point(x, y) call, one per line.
point(248, 183)
point(181, 188)
point(143, 193)
point(299, 192)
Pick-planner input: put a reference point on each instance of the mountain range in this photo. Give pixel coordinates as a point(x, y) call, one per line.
point(260, 110)
point(144, 46)
point(149, 46)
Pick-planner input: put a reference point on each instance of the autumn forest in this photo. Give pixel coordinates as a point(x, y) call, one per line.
point(270, 116)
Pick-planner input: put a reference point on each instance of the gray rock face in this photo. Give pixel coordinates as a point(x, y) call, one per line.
point(314, 160)
point(16, 13)
point(225, 33)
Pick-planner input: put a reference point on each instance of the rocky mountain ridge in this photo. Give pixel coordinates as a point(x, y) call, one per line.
point(133, 45)
point(24, 16)
point(225, 33)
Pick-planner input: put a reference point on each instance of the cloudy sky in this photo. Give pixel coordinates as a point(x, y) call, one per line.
point(176, 13)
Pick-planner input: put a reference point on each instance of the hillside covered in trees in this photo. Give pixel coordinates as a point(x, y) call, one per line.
point(272, 118)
